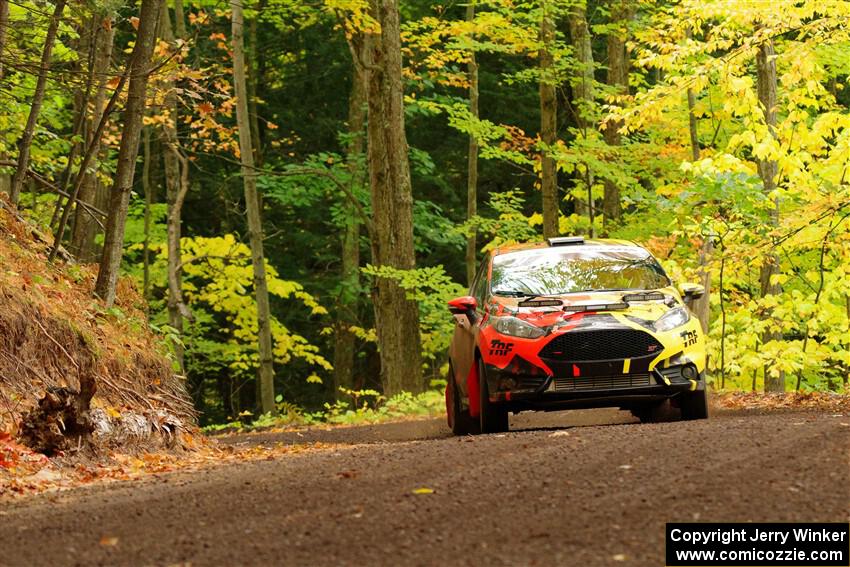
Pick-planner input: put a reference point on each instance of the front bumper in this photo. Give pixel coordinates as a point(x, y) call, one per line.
point(539, 392)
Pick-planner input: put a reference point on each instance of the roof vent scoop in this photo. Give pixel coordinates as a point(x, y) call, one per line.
point(566, 241)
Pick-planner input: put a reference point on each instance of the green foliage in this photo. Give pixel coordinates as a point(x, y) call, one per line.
point(509, 225)
point(355, 407)
point(313, 192)
point(218, 289)
point(431, 288)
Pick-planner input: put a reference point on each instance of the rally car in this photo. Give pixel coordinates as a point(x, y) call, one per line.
point(574, 323)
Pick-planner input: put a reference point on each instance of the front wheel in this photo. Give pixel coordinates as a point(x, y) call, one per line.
point(656, 412)
point(493, 417)
point(694, 404)
point(460, 422)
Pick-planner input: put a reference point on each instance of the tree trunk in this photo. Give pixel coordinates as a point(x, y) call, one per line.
point(345, 341)
point(93, 146)
point(5, 178)
point(4, 25)
point(702, 306)
point(618, 78)
point(176, 187)
point(692, 118)
point(25, 143)
point(252, 202)
point(85, 228)
point(179, 19)
point(253, 89)
point(396, 316)
point(119, 199)
point(583, 91)
point(768, 171)
point(86, 52)
point(692, 125)
point(472, 158)
point(149, 199)
point(583, 94)
point(548, 125)
point(91, 190)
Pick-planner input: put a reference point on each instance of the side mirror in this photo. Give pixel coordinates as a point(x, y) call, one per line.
point(465, 305)
point(691, 291)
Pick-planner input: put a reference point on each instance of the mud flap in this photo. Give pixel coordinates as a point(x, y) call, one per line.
point(473, 383)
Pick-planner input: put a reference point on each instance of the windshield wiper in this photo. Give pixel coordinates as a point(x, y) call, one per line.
point(513, 293)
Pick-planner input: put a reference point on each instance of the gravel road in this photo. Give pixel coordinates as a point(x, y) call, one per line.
point(575, 488)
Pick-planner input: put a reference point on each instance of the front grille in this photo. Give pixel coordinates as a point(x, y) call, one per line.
point(602, 383)
point(530, 382)
point(609, 344)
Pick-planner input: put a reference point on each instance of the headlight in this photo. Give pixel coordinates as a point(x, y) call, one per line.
point(674, 318)
point(517, 328)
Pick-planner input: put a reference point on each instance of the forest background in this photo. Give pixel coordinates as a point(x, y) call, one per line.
point(297, 187)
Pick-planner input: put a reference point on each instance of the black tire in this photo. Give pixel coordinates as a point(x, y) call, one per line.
point(493, 417)
point(460, 422)
point(656, 412)
point(694, 404)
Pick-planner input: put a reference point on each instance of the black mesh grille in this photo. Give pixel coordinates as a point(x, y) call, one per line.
point(530, 382)
point(602, 383)
point(606, 344)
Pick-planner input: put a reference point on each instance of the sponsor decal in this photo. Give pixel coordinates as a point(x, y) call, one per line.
point(689, 337)
point(500, 348)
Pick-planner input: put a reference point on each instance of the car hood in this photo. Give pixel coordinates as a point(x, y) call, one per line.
point(549, 310)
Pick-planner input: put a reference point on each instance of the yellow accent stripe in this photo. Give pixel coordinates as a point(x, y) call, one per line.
point(667, 363)
point(693, 385)
point(626, 364)
point(666, 380)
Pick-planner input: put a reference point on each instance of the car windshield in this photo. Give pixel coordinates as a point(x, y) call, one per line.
point(557, 271)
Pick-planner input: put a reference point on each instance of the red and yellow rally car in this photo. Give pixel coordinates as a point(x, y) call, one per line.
point(573, 323)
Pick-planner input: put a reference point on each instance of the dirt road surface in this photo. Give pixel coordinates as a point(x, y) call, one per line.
point(580, 488)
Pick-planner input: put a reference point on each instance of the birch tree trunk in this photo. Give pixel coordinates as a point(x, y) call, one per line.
point(252, 202)
point(396, 316)
point(119, 199)
point(768, 170)
point(548, 124)
point(25, 142)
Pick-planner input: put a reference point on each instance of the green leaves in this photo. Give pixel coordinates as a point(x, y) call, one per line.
point(431, 287)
